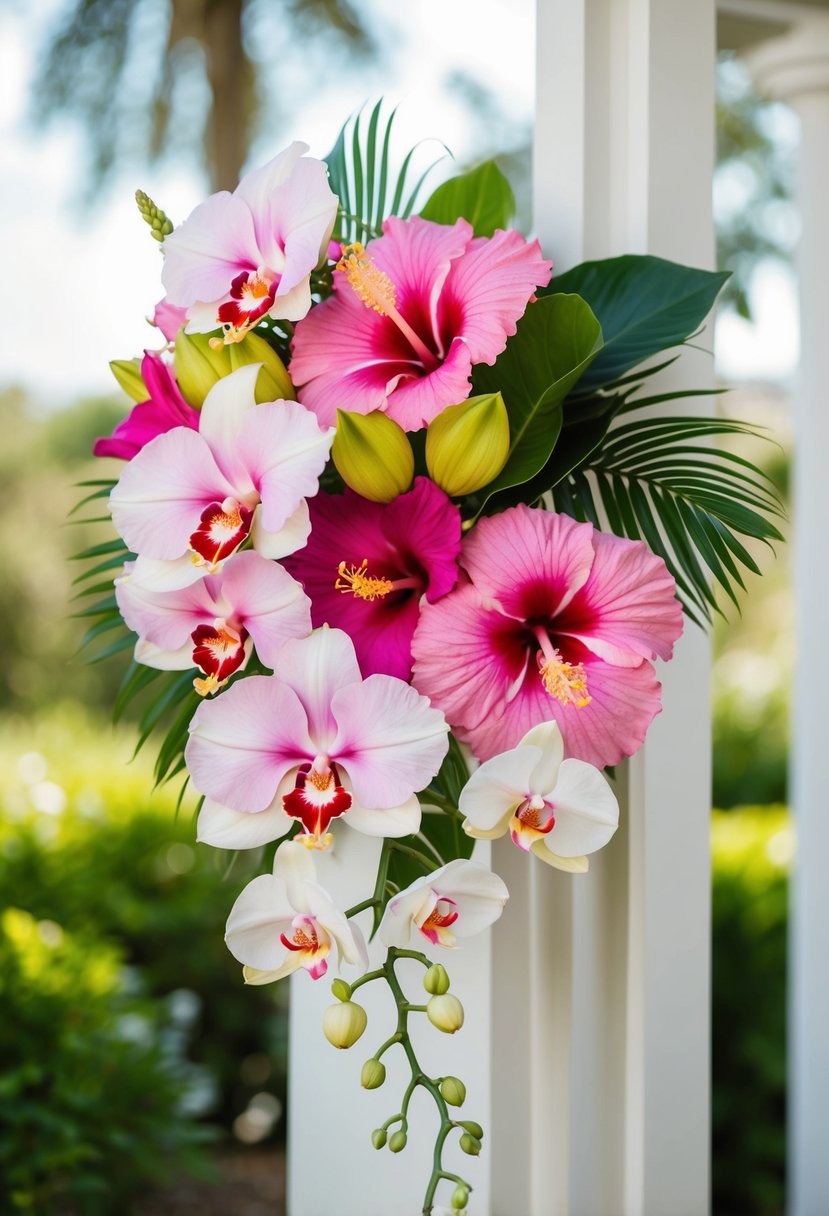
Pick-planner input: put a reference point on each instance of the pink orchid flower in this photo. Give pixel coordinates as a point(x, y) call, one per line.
point(249, 254)
point(367, 565)
point(558, 621)
point(194, 497)
point(317, 742)
point(458, 900)
point(214, 622)
point(164, 409)
point(285, 920)
point(560, 810)
point(409, 317)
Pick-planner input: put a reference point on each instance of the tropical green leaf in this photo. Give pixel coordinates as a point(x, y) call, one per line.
point(483, 196)
point(645, 305)
point(555, 342)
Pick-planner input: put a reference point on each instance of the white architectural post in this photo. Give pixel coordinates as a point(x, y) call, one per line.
point(609, 1060)
point(795, 68)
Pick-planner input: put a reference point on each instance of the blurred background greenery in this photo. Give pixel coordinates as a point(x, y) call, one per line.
point(130, 1052)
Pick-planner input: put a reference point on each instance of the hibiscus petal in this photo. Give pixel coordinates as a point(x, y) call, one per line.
point(392, 821)
point(205, 253)
point(585, 808)
point(426, 524)
point(390, 741)
point(257, 919)
point(270, 604)
point(416, 400)
point(223, 828)
point(244, 741)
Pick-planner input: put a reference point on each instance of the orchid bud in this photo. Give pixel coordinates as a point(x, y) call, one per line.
point(436, 980)
point(373, 1074)
point(474, 1129)
point(343, 1023)
point(378, 1137)
point(128, 374)
point(398, 1142)
point(373, 455)
point(453, 1091)
point(445, 1012)
point(199, 364)
point(460, 1197)
point(467, 445)
point(273, 382)
point(341, 990)
point(470, 1145)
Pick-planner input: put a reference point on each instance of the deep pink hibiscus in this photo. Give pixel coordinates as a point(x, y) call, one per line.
point(557, 621)
point(164, 410)
point(367, 566)
point(409, 317)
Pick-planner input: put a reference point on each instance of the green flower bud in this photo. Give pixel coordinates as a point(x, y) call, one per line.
point(341, 990)
point(373, 455)
point(343, 1023)
point(198, 365)
point(128, 374)
point(160, 225)
point(470, 1144)
point(378, 1137)
point(467, 445)
point(398, 1142)
point(373, 1074)
point(436, 980)
point(453, 1091)
point(445, 1012)
point(273, 382)
point(460, 1197)
point(474, 1129)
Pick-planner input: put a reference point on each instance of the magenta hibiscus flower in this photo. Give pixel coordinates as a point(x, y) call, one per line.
point(410, 316)
point(367, 566)
point(558, 621)
point(164, 410)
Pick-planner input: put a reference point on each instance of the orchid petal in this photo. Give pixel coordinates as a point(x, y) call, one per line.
point(284, 451)
point(165, 618)
point(254, 977)
point(271, 605)
point(498, 786)
point(160, 576)
point(203, 255)
point(151, 655)
point(547, 737)
point(478, 893)
point(221, 419)
point(257, 918)
point(392, 821)
point(570, 865)
point(223, 828)
point(287, 539)
point(316, 668)
point(585, 808)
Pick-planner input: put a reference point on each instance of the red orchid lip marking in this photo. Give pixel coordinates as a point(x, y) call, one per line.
point(252, 295)
point(317, 797)
point(436, 925)
point(310, 943)
point(533, 819)
point(218, 650)
point(222, 528)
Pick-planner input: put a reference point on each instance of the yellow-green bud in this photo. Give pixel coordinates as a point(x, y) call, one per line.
point(436, 980)
point(474, 1129)
point(373, 1074)
point(341, 990)
point(445, 1012)
point(453, 1091)
point(378, 1137)
point(471, 1145)
point(398, 1142)
point(198, 366)
point(373, 455)
point(160, 225)
point(128, 374)
point(343, 1023)
point(460, 1196)
point(467, 445)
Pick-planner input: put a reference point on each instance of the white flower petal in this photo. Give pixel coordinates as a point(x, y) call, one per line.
point(400, 820)
point(571, 865)
point(261, 913)
point(586, 810)
point(224, 828)
point(291, 536)
point(164, 660)
point(547, 737)
point(498, 786)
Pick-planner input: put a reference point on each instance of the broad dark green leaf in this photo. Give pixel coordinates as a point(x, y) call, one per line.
point(644, 304)
point(483, 196)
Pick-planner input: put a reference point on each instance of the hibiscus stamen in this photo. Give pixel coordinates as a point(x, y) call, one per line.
point(376, 290)
point(353, 580)
point(567, 682)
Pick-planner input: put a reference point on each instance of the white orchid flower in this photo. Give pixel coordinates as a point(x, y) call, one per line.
point(463, 894)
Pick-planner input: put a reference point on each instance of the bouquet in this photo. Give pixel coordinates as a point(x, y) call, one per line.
point(401, 538)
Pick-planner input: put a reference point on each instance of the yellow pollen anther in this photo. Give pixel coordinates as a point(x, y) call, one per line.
point(354, 580)
point(207, 685)
point(370, 283)
point(567, 682)
point(320, 781)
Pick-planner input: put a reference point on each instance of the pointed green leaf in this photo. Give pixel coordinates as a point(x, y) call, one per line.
point(483, 196)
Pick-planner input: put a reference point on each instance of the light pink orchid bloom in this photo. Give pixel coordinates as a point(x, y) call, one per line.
point(459, 900)
point(249, 254)
point(285, 920)
point(214, 622)
point(313, 743)
point(560, 810)
point(247, 471)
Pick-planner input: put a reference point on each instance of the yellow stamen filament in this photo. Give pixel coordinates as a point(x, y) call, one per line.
point(567, 682)
point(207, 685)
point(369, 282)
point(353, 580)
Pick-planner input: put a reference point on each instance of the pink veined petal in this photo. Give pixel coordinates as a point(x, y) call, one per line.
point(498, 786)
point(162, 491)
point(269, 603)
point(243, 743)
point(316, 668)
point(167, 618)
point(478, 893)
point(490, 287)
point(426, 523)
point(627, 610)
point(532, 562)
point(418, 256)
point(586, 811)
point(223, 828)
point(222, 417)
point(416, 401)
point(390, 741)
point(284, 451)
point(392, 821)
point(205, 253)
point(260, 914)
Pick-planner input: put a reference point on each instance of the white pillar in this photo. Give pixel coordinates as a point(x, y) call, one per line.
point(610, 1058)
point(795, 68)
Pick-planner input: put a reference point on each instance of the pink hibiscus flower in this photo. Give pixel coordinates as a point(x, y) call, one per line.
point(558, 621)
point(164, 409)
point(367, 565)
point(241, 256)
point(410, 316)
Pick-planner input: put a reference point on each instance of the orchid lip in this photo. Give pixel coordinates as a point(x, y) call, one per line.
point(532, 820)
point(223, 526)
point(318, 797)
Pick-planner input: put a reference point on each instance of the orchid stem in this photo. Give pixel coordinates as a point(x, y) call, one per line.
point(358, 908)
point(367, 978)
point(426, 862)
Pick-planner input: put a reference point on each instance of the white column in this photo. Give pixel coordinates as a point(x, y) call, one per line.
point(795, 69)
point(610, 1059)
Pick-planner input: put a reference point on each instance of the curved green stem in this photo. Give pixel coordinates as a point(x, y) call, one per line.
point(428, 863)
point(358, 908)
